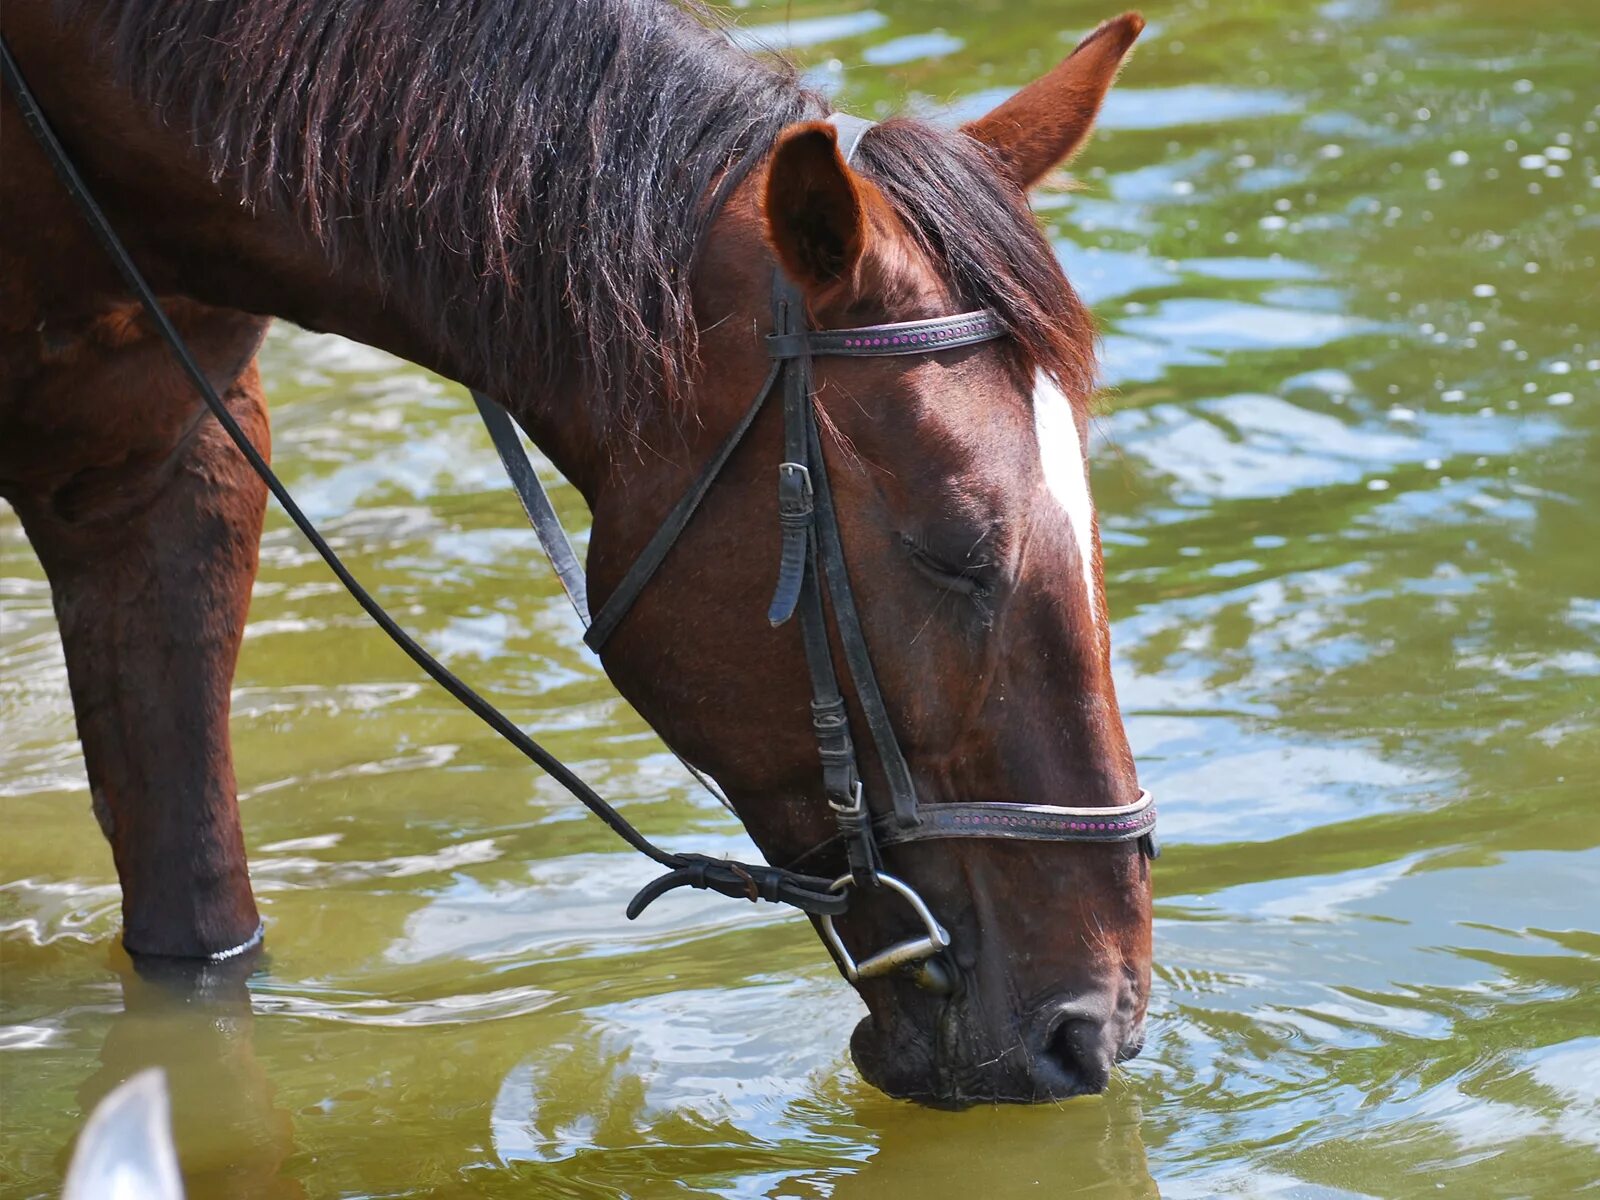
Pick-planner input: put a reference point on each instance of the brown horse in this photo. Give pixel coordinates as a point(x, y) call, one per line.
point(524, 197)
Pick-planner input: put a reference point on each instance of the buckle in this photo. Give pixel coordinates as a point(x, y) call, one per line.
point(794, 478)
point(794, 495)
point(854, 808)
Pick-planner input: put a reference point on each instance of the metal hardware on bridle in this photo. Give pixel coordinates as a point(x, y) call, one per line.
point(811, 557)
point(901, 954)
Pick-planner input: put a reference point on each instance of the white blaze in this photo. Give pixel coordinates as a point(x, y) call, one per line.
point(1061, 455)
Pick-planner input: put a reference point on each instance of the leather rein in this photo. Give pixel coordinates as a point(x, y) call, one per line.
point(811, 559)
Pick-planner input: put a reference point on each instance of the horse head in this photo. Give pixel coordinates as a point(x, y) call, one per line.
point(960, 487)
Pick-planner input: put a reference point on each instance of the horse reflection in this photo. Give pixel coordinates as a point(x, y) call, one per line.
point(1084, 1147)
point(194, 1021)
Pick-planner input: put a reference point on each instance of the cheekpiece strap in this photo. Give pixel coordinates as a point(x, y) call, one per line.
point(796, 499)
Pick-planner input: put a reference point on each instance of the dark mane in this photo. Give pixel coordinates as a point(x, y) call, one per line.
point(538, 171)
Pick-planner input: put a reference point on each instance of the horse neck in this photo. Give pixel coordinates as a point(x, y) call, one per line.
point(195, 238)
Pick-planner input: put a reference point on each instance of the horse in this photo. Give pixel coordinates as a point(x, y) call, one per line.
point(579, 206)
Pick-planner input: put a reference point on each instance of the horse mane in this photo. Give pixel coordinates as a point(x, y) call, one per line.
point(540, 173)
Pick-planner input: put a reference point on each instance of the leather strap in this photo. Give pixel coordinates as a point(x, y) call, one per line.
point(1019, 822)
point(553, 538)
point(536, 503)
point(796, 508)
point(796, 495)
point(742, 881)
point(853, 642)
point(638, 576)
point(799, 589)
point(803, 445)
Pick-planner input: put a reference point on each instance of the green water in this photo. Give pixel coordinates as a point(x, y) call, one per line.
point(1344, 257)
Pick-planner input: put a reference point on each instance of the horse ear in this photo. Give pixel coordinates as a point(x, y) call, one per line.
point(825, 222)
point(1047, 122)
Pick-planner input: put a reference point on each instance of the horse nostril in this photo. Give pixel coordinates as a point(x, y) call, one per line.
point(1077, 1047)
point(1131, 1048)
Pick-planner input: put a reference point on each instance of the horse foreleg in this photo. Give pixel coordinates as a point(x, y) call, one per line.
point(151, 561)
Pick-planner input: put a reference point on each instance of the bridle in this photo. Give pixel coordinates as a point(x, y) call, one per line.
point(811, 558)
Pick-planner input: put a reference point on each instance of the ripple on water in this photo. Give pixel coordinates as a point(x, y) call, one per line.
point(569, 908)
point(1156, 108)
point(1099, 275)
point(734, 1064)
point(380, 1012)
point(1229, 325)
point(912, 48)
point(806, 31)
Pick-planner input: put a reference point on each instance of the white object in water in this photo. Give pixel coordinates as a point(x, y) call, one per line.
point(125, 1151)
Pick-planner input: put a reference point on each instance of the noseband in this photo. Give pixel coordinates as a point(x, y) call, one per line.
point(811, 557)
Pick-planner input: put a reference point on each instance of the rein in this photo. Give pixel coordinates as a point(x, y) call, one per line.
point(811, 560)
point(740, 880)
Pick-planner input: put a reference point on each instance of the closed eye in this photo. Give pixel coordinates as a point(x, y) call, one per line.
point(975, 576)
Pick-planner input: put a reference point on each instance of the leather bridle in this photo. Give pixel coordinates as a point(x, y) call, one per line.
point(811, 558)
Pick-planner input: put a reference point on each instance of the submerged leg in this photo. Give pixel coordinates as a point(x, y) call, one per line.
point(150, 545)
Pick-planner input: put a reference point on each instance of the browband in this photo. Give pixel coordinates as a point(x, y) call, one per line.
point(902, 337)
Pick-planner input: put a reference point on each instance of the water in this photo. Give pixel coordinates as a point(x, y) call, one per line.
point(1344, 258)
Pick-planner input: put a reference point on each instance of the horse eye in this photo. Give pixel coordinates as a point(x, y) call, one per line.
point(972, 575)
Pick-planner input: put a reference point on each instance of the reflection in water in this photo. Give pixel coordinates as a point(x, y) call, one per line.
point(1344, 257)
point(1079, 1148)
point(678, 1085)
point(194, 1022)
